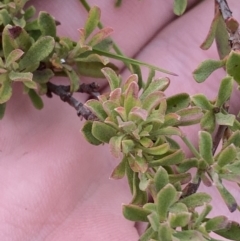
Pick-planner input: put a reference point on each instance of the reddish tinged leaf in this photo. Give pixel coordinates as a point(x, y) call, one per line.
point(135, 213)
point(100, 36)
point(138, 112)
point(115, 145)
point(153, 100)
point(15, 55)
point(115, 95)
point(119, 170)
point(96, 108)
point(81, 37)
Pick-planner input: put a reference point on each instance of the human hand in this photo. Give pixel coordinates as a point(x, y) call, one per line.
point(55, 185)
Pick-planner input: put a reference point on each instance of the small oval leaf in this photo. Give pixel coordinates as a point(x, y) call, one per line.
point(102, 131)
point(206, 68)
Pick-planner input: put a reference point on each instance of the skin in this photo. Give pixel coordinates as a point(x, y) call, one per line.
point(53, 184)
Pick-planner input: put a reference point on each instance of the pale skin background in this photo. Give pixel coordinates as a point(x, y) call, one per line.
point(55, 186)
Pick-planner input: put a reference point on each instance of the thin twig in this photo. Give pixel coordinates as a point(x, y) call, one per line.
point(64, 94)
point(231, 24)
point(225, 10)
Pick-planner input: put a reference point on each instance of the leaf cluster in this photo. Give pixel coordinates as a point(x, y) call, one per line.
point(139, 122)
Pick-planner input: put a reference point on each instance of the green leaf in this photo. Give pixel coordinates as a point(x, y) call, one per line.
point(222, 38)
point(147, 235)
point(119, 170)
point(189, 116)
point(207, 122)
point(183, 178)
point(152, 100)
point(5, 92)
point(2, 110)
point(15, 55)
point(179, 219)
point(74, 79)
point(102, 131)
point(115, 145)
point(154, 221)
point(231, 232)
point(216, 223)
point(5, 17)
point(178, 208)
point(225, 90)
point(234, 167)
point(165, 198)
point(179, 6)
point(225, 119)
point(196, 199)
point(201, 101)
point(234, 139)
point(113, 80)
point(156, 85)
point(92, 20)
point(18, 76)
point(130, 176)
point(206, 210)
point(135, 213)
point(30, 84)
point(42, 76)
point(96, 108)
point(29, 12)
point(172, 159)
point(177, 102)
point(93, 69)
point(137, 70)
point(212, 32)
point(109, 107)
point(205, 146)
point(232, 177)
point(226, 195)
point(8, 43)
point(138, 164)
point(161, 178)
point(47, 24)
point(36, 99)
point(187, 164)
point(206, 68)
point(189, 235)
point(37, 52)
point(165, 232)
point(157, 150)
point(233, 66)
point(139, 197)
point(131, 96)
point(87, 133)
point(127, 60)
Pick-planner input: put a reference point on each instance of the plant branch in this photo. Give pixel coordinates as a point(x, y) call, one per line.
point(225, 10)
point(66, 96)
point(100, 25)
point(231, 24)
